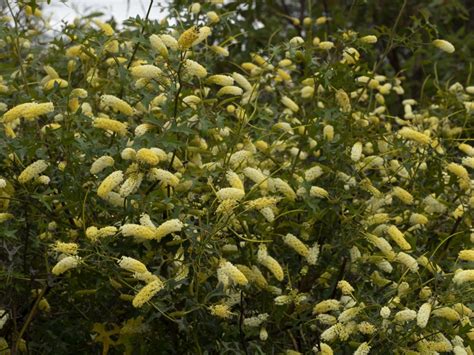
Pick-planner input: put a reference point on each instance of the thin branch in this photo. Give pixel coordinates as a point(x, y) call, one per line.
point(141, 33)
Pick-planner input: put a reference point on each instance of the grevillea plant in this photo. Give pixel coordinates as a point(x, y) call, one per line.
point(298, 202)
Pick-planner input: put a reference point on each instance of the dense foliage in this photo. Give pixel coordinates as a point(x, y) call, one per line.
point(169, 187)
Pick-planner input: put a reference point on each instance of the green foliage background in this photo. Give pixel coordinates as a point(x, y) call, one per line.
point(89, 308)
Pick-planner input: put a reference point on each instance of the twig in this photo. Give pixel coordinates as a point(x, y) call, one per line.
point(141, 33)
point(31, 314)
point(241, 321)
point(339, 276)
point(17, 47)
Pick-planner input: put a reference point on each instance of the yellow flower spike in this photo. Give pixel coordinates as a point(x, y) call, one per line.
point(444, 45)
point(147, 293)
point(32, 171)
point(109, 183)
point(108, 124)
point(61, 83)
point(146, 71)
point(325, 45)
point(116, 104)
point(29, 110)
point(158, 45)
point(65, 264)
point(270, 263)
point(105, 27)
point(370, 39)
point(187, 38)
point(398, 237)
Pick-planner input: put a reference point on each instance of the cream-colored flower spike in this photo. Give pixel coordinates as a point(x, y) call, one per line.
point(444, 45)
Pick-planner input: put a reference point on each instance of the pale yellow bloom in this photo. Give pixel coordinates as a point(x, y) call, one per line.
point(171, 226)
point(326, 349)
point(345, 287)
point(418, 218)
point(326, 306)
point(147, 293)
point(233, 273)
point(187, 38)
point(94, 233)
point(467, 149)
point(270, 263)
point(169, 41)
point(101, 163)
point(66, 248)
point(166, 177)
point(132, 265)
point(463, 276)
point(444, 45)
point(230, 193)
point(319, 192)
point(296, 244)
point(326, 45)
point(66, 264)
point(138, 231)
point(204, 32)
point(461, 173)
point(221, 311)
point(405, 315)
point(256, 176)
point(446, 313)
point(413, 135)
point(29, 111)
point(350, 56)
point(284, 188)
point(32, 171)
point(242, 81)
point(230, 90)
point(363, 349)
point(398, 237)
point(50, 84)
point(116, 104)
point(108, 124)
point(158, 45)
point(343, 100)
point(285, 100)
point(222, 80)
point(328, 132)
point(213, 17)
point(356, 151)
point(147, 156)
point(146, 71)
point(131, 184)
point(105, 27)
point(234, 180)
point(193, 68)
point(5, 216)
point(369, 39)
point(423, 315)
point(467, 255)
point(408, 261)
point(110, 183)
point(403, 195)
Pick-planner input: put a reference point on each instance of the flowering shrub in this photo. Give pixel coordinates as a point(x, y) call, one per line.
point(299, 202)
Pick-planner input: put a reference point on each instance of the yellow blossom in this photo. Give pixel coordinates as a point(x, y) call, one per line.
point(116, 104)
point(32, 171)
point(108, 124)
point(147, 293)
point(109, 183)
point(444, 45)
point(65, 264)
